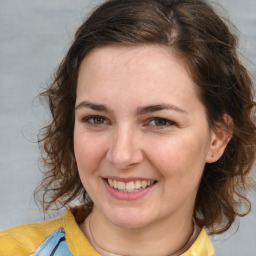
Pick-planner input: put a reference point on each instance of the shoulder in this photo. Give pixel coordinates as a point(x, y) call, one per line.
point(24, 239)
point(61, 237)
point(202, 246)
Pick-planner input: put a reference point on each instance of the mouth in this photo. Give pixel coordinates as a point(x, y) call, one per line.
point(131, 186)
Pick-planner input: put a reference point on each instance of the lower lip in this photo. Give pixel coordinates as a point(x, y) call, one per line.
point(127, 196)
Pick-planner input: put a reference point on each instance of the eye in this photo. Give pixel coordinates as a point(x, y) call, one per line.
point(95, 120)
point(160, 122)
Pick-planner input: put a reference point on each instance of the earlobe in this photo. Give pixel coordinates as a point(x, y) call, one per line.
point(221, 135)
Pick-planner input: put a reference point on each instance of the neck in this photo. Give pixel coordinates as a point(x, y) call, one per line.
point(165, 237)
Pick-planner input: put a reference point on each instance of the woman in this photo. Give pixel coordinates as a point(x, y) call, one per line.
point(152, 129)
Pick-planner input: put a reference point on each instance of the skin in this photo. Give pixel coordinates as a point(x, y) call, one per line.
point(127, 139)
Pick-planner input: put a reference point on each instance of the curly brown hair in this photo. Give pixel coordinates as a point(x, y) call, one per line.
point(193, 30)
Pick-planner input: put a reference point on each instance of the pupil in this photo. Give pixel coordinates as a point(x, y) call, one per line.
point(98, 120)
point(160, 122)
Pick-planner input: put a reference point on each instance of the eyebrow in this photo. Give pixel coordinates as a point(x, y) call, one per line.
point(140, 110)
point(94, 106)
point(158, 107)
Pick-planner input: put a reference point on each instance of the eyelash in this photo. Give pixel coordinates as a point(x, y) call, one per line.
point(94, 117)
point(165, 123)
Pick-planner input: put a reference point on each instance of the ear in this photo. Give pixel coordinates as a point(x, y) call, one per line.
point(221, 135)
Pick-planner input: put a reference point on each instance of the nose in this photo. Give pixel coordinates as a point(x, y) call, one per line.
point(124, 150)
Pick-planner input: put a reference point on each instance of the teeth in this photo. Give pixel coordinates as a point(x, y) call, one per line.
point(130, 186)
point(137, 184)
point(115, 184)
point(110, 182)
point(143, 183)
point(120, 185)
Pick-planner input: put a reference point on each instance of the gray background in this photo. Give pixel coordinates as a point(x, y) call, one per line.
point(34, 36)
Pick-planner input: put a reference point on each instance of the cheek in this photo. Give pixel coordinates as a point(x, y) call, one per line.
point(182, 159)
point(87, 152)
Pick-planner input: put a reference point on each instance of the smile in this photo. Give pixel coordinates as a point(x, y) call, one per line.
point(131, 186)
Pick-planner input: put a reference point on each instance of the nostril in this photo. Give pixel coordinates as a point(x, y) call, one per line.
point(126, 159)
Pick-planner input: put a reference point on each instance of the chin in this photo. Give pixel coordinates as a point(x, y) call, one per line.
point(129, 219)
point(131, 224)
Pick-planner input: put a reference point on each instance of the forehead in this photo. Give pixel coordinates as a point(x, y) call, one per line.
point(152, 61)
point(151, 71)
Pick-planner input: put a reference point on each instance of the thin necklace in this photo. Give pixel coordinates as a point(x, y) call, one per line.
point(92, 241)
point(196, 231)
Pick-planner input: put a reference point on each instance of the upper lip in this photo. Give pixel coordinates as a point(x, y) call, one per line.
point(127, 179)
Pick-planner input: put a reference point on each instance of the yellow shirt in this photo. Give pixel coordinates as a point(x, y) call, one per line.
point(26, 239)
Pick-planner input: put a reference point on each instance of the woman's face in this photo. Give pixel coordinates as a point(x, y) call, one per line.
point(140, 127)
